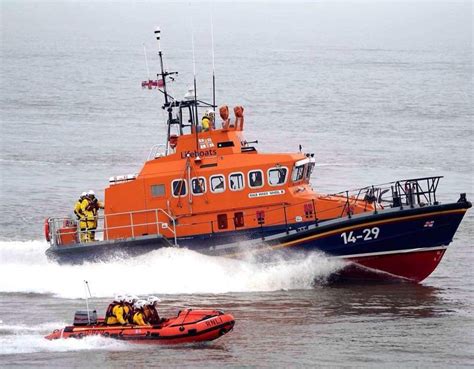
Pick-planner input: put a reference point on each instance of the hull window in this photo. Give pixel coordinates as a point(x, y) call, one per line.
point(236, 181)
point(239, 219)
point(256, 179)
point(198, 185)
point(217, 183)
point(157, 190)
point(277, 176)
point(178, 187)
point(222, 221)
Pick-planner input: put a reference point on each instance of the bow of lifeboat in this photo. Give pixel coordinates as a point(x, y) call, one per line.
point(188, 326)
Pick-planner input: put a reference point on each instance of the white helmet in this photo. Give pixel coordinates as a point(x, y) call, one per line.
point(91, 193)
point(153, 300)
point(131, 299)
point(210, 112)
point(119, 298)
point(139, 304)
point(84, 194)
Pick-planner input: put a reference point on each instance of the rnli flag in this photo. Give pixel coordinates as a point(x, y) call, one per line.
point(152, 84)
point(429, 224)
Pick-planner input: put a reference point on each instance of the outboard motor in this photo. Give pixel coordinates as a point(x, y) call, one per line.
point(85, 317)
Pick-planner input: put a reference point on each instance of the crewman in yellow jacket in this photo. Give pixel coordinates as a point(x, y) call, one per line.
point(80, 216)
point(90, 207)
point(138, 314)
point(117, 312)
point(207, 120)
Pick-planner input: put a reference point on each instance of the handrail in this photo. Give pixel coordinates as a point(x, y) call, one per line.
point(58, 224)
point(157, 150)
point(407, 192)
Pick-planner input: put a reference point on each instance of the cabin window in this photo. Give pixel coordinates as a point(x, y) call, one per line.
point(157, 190)
point(217, 183)
point(239, 219)
point(309, 170)
point(178, 187)
point(236, 181)
point(256, 179)
point(277, 176)
point(298, 173)
point(198, 185)
point(222, 221)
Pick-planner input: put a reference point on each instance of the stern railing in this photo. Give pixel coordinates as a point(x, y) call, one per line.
point(61, 228)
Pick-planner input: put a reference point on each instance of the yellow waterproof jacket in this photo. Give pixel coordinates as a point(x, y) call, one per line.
point(88, 214)
point(78, 210)
point(206, 122)
point(118, 313)
point(138, 318)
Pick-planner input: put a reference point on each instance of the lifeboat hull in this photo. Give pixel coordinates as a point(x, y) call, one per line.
point(394, 243)
point(189, 326)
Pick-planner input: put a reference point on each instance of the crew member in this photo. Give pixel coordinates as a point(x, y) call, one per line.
point(80, 216)
point(150, 311)
point(207, 120)
point(90, 207)
point(129, 301)
point(117, 312)
point(139, 317)
point(77, 206)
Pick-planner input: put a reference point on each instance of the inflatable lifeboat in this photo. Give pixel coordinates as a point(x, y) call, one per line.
point(188, 326)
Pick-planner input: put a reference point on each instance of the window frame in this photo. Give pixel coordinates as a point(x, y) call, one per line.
point(303, 172)
point(263, 178)
point(210, 183)
point(243, 181)
point(158, 185)
point(279, 184)
point(185, 188)
point(192, 187)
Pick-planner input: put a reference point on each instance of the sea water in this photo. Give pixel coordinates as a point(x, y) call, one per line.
point(378, 91)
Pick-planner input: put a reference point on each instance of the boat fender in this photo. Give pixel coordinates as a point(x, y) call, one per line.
point(105, 334)
point(46, 230)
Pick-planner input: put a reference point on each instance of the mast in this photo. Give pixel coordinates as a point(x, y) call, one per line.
point(164, 74)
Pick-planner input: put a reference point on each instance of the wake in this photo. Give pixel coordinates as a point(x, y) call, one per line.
point(25, 269)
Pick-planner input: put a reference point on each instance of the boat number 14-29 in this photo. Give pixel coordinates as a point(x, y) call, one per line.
point(367, 235)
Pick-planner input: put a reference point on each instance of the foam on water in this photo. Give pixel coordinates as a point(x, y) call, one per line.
point(26, 269)
point(30, 339)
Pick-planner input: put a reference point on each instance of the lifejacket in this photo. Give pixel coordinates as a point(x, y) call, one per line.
point(77, 208)
point(128, 312)
point(110, 308)
point(140, 315)
point(151, 314)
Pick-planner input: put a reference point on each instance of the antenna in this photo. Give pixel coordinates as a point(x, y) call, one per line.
point(213, 65)
point(163, 76)
point(86, 285)
point(195, 88)
point(146, 63)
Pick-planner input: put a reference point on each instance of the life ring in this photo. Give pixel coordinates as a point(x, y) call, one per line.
point(46, 230)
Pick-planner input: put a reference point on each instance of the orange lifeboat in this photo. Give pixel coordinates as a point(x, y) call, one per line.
point(188, 326)
point(210, 190)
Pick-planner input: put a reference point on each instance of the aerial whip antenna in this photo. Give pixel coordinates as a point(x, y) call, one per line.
point(213, 65)
point(146, 63)
point(88, 294)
